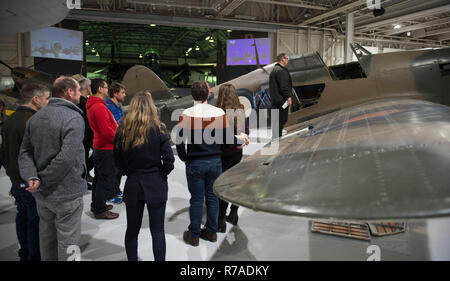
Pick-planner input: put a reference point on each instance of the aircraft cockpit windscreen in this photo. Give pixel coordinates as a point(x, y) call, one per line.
point(352, 70)
point(307, 67)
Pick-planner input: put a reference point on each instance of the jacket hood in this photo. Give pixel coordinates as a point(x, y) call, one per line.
point(94, 100)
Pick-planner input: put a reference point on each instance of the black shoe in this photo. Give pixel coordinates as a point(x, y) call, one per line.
point(108, 207)
point(107, 215)
point(232, 218)
point(206, 235)
point(189, 239)
point(222, 226)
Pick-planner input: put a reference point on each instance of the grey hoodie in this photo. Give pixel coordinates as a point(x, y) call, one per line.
point(52, 150)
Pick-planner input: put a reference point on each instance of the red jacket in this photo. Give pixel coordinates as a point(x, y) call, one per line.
point(102, 123)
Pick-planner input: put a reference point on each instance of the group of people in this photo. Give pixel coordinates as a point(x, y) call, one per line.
point(45, 151)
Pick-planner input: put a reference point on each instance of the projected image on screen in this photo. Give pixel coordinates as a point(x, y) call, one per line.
point(242, 51)
point(57, 43)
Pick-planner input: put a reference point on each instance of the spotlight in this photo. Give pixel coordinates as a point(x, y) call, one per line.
point(378, 12)
point(307, 14)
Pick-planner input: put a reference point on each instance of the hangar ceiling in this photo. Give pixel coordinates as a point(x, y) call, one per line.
point(404, 22)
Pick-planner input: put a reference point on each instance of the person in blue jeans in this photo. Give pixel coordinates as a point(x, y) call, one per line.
point(142, 152)
point(35, 97)
point(117, 94)
point(203, 128)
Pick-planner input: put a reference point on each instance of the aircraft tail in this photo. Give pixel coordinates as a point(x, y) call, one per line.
point(141, 78)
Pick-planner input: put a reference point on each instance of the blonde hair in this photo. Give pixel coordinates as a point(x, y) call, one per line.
point(142, 116)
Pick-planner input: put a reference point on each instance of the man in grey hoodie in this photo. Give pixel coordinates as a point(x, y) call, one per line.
point(52, 162)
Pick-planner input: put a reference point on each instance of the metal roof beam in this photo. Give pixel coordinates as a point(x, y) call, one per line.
point(420, 14)
point(230, 7)
point(343, 9)
point(300, 4)
point(433, 33)
point(167, 4)
point(419, 26)
point(121, 17)
point(444, 37)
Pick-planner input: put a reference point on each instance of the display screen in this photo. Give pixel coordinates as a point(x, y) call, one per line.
point(242, 51)
point(57, 43)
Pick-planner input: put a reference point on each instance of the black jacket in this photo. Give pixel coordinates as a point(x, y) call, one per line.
point(12, 134)
point(146, 167)
point(280, 86)
point(88, 134)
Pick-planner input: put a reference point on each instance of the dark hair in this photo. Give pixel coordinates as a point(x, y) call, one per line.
point(280, 57)
point(200, 91)
point(115, 88)
point(62, 84)
point(31, 89)
point(228, 99)
point(96, 83)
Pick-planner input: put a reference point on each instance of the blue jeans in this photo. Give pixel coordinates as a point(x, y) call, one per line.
point(27, 224)
point(201, 175)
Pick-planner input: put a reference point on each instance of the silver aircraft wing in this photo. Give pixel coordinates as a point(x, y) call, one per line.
point(381, 160)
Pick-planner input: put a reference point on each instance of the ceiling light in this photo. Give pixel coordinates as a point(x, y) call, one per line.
point(229, 30)
point(152, 24)
point(140, 56)
point(197, 48)
point(397, 26)
point(97, 54)
point(307, 14)
point(93, 50)
point(211, 40)
point(87, 43)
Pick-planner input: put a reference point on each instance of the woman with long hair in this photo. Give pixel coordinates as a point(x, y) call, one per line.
point(228, 100)
point(142, 152)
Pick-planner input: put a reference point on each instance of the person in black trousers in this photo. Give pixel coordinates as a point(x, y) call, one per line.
point(231, 155)
point(280, 89)
point(142, 152)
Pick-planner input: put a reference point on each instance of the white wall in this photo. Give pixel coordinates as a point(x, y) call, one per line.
point(305, 41)
point(12, 52)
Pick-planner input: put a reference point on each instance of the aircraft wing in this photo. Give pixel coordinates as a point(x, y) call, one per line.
point(381, 160)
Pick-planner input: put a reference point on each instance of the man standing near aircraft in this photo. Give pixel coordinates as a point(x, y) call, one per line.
point(280, 87)
point(117, 94)
point(35, 97)
point(104, 127)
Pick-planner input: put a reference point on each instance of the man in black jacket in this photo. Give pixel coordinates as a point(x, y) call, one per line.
point(280, 87)
point(85, 89)
point(35, 97)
